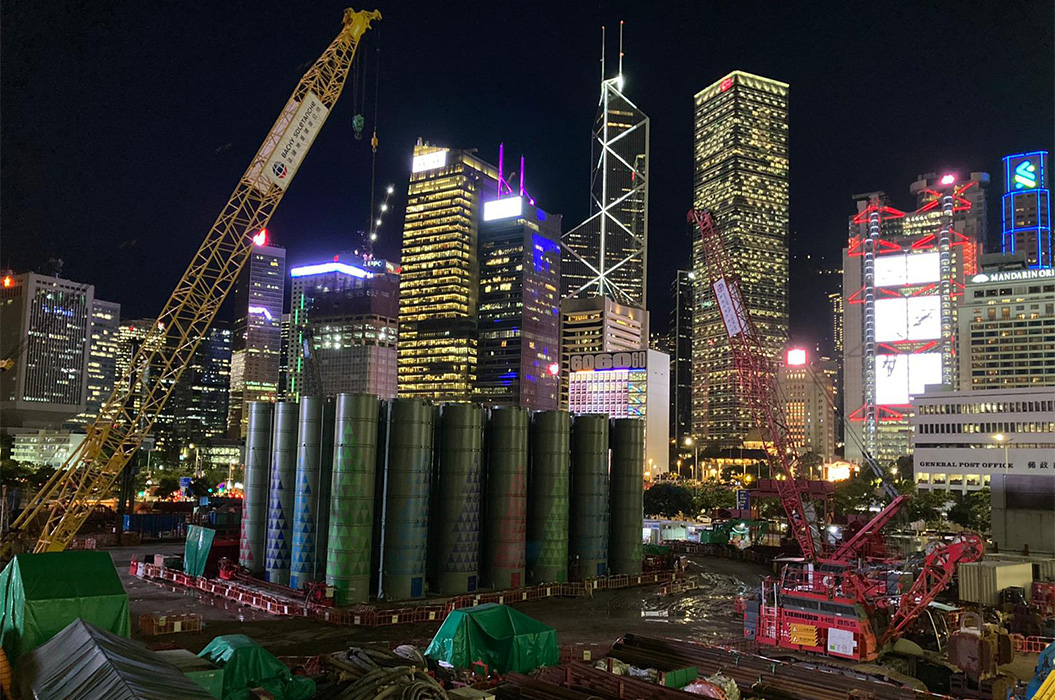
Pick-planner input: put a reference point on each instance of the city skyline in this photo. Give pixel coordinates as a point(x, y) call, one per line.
point(827, 117)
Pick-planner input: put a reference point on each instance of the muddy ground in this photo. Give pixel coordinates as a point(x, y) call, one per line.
point(703, 614)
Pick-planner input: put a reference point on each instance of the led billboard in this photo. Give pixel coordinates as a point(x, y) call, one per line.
point(907, 268)
point(900, 376)
point(908, 318)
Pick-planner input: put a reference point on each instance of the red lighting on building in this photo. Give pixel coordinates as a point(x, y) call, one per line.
point(948, 179)
point(726, 84)
point(554, 369)
point(260, 238)
point(796, 357)
point(8, 281)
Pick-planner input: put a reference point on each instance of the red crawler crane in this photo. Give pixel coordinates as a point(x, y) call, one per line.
point(834, 602)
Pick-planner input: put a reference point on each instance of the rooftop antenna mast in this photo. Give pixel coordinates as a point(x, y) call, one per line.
point(602, 53)
point(620, 48)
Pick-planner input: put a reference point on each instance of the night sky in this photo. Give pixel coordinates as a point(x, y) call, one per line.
point(125, 125)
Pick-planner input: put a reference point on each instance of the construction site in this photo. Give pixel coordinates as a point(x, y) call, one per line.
point(411, 549)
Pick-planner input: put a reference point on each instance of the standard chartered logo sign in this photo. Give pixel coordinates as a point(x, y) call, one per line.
point(1025, 175)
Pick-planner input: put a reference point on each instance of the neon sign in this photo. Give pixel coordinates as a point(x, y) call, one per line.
point(1025, 175)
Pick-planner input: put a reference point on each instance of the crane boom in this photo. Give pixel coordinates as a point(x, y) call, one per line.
point(755, 369)
point(89, 473)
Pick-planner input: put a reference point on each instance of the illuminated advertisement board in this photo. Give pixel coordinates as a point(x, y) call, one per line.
point(903, 269)
point(900, 376)
point(429, 161)
point(908, 318)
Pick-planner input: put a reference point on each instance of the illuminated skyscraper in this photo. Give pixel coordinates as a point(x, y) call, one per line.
point(741, 177)
point(256, 345)
point(903, 281)
point(102, 360)
point(439, 282)
point(681, 357)
point(606, 255)
point(1026, 220)
point(597, 324)
point(346, 309)
point(519, 320)
point(808, 396)
point(45, 326)
point(200, 402)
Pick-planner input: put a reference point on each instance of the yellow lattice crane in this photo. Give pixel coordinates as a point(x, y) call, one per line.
point(88, 475)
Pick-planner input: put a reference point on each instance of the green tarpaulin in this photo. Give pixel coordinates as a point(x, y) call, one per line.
point(196, 551)
point(503, 638)
point(43, 593)
point(247, 665)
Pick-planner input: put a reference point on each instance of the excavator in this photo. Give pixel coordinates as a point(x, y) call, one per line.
point(55, 514)
point(838, 601)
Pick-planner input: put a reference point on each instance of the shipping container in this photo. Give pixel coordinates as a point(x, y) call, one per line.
point(981, 582)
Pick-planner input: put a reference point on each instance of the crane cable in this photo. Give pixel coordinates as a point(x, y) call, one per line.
point(373, 139)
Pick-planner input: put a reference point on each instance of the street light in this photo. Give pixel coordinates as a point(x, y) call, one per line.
point(1004, 440)
point(690, 442)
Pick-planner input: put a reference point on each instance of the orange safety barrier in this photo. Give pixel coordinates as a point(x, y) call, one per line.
point(154, 625)
point(371, 616)
point(1031, 645)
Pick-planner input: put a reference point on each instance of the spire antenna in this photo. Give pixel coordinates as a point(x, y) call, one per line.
point(602, 53)
point(620, 47)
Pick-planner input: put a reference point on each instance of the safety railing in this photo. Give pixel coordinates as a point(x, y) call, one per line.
point(372, 616)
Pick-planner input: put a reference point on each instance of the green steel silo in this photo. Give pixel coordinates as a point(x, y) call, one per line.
point(257, 475)
point(588, 521)
point(454, 511)
point(505, 506)
point(548, 492)
point(627, 499)
point(280, 501)
point(352, 498)
point(408, 461)
point(309, 499)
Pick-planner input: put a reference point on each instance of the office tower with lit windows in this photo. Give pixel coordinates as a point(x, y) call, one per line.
point(519, 332)
point(597, 324)
point(256, 342)
point(607, 254)
point(200, 402)
point(1007, 328)
point(1026, 211)
point(741, 177)
point(45, 331)
point(102, 360)
point(131, 336)
point(284, 358)
point(440, 277)
point(345, 309)
point(807, 395)
point(680, 347)
point(903, 281)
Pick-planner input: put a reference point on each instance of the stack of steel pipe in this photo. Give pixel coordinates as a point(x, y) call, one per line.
point(405, 520)
point(588, 535)
point(280, 504)
point(312, 494)
point(628, 496)
point(505, 507)
point(352, 515)
point(454, 511)
point(253, 541)
point(754, 673)
point(548, 493)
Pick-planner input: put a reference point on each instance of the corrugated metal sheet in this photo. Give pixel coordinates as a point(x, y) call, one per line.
point(981, 582)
